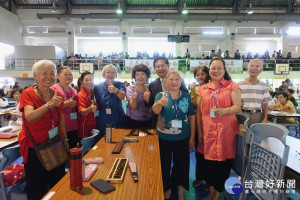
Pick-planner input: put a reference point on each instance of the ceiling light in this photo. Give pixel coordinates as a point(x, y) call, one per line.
point(119, 10)
point(250, 11)
point(184, 10)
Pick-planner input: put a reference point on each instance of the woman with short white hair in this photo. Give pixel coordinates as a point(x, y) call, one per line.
point(109, 95)
point(176, 131)
point(42, 109)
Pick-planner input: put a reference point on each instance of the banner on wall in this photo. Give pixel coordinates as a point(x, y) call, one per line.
point(232, 66)
point(130, 63)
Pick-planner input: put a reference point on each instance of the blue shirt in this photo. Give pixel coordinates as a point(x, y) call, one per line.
point(164, 127)
point(109, 100)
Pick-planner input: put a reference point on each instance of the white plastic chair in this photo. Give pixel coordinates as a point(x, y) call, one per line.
point(264, 164)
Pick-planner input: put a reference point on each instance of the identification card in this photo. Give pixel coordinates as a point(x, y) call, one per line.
point(108, 111)
point(176, 123)
point(73, 115)
point(53, 132)
point(96, 113)
point(212, 113)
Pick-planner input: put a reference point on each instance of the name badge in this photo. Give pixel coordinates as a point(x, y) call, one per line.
point(212, 113)
point(108, 111)
point(96, 113)
point(53, 132)
point(73, 115)
point(176, 123)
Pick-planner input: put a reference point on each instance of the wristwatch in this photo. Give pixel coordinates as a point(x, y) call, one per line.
point(47, 106)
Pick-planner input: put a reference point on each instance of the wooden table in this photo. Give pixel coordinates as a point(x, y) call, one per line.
point(9, 142)
point(144, 153)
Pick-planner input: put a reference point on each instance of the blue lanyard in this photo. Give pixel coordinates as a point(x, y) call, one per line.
point(176, 107)
point(51, 109)
point(213, 96)
point(67, 93)
point(109, 95)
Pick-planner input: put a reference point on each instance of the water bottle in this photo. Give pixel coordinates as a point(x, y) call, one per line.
point(76, 168)
point(108, 131)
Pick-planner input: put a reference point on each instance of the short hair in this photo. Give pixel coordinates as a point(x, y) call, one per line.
point(140, 68)
point(61, 68)
point(160, 58)
point(82, 77)
point(287, 80)
point(283, 82)
point(226, 75)
point(284, 94)
point(20, 90)
point(202, 68)
point(107, 66)
point(173, 72)
point(36, 67)
point(291, 90)
point(258, 60)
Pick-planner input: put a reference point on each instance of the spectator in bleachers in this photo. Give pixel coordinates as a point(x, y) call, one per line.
point(126, 55)
point(219, 53)
point(16, 85)
point(203, 57)
point(237, 55)
point(187, 54)
point(256, 56)
point(274, 55)
point(249, 55)
point(213, 54)
point(289, 55)
point(279, 55)
point(226, 55)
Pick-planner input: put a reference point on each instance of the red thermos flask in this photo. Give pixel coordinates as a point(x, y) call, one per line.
point(75, 168)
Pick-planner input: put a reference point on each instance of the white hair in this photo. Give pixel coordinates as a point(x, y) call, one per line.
point(256, 59)
point(173, 72)
point(108, 66)
point(37, 66)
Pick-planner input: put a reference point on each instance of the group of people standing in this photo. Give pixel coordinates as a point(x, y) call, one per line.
point(206, 118)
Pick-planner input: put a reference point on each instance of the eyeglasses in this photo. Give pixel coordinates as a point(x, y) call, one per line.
point(160, 66)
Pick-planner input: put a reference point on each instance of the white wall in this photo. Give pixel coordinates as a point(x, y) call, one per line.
point(10, 28)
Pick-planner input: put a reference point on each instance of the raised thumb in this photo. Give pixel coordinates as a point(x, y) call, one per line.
point(55, 93)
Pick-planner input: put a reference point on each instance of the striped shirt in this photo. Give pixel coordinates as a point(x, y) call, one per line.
point(253, 95)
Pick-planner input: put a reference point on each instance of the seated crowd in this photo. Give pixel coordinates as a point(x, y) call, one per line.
point(182, 120)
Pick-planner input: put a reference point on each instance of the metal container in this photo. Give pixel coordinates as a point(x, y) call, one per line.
point(108, 132)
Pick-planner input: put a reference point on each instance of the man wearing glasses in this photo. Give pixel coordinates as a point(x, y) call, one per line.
point(161, 66)
point(255, 94)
